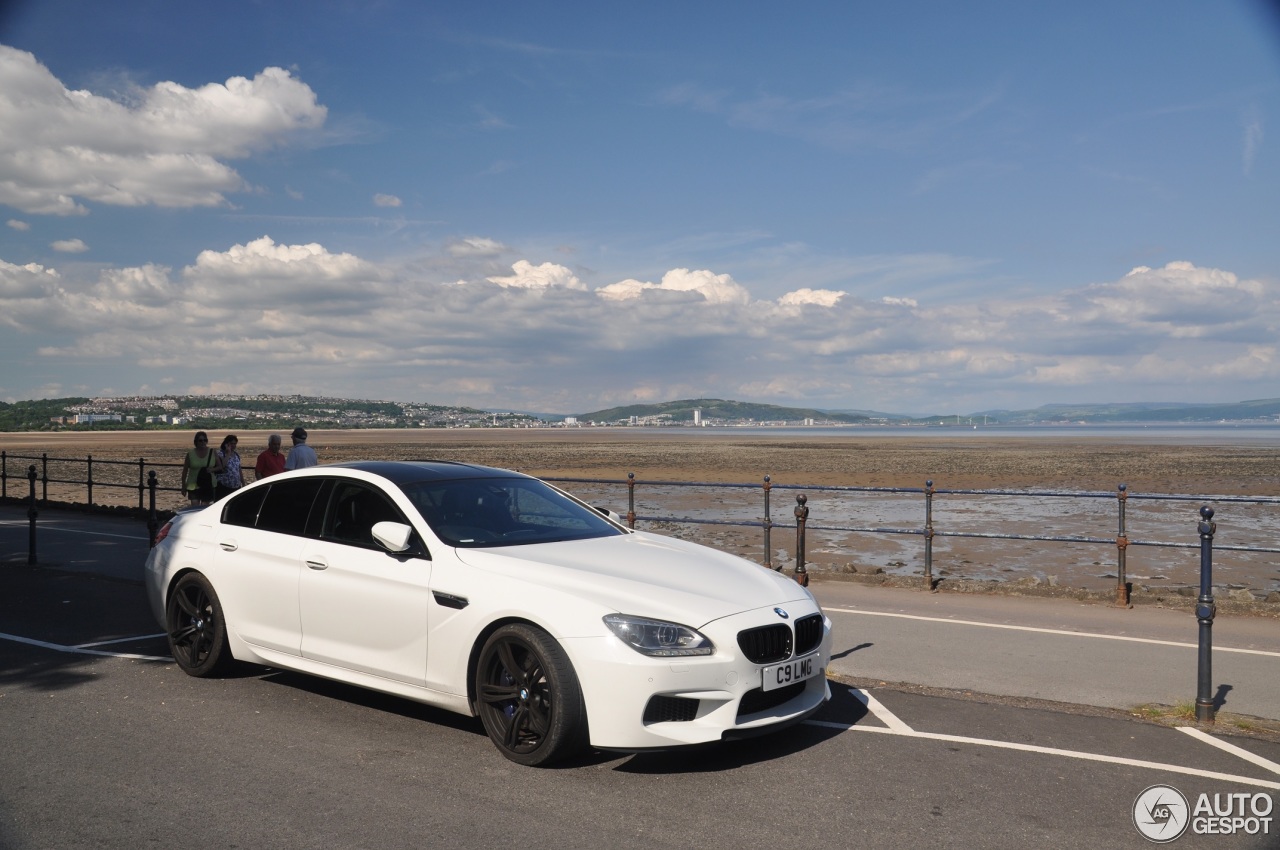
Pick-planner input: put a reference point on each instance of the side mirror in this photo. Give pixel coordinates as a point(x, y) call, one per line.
point(392, 536)
point(613, 515)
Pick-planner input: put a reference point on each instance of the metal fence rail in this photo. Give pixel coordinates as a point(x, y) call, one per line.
point(142, 477)
point(118, 474)
point(927, 530)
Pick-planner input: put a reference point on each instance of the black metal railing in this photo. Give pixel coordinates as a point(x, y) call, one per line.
point(807, 516)
point(80, 472)
point(928, 530)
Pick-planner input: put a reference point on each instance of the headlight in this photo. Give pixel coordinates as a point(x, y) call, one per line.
point(658, 638)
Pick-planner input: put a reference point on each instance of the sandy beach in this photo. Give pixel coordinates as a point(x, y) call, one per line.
point(952, 460)
point(839, 458)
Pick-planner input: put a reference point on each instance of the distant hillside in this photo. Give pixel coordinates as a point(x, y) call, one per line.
point(241, 412)
point(33, 415)
point(1137, 412)
point(263, 411)
point(719, 410)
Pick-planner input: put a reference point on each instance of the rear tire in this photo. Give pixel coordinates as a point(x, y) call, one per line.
point(197, 630)
point(528, 696)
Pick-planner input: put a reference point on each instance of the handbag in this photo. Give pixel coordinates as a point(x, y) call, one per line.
point(204, 478)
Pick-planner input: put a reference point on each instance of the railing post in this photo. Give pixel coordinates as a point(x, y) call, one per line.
point(153, 522)
point(89, 481)
point(1122, 544)
point(44, 476)
point(802, 516)
point(631, 500)
point(1205, 611)
point(31, 517)
point(928, 535)
point(768, 526)
point(141, 485)
point(4, 475)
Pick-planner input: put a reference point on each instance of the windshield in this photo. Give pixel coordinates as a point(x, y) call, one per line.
point(504, 512)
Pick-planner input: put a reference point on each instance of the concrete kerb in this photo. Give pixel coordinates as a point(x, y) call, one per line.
point(1032, 587)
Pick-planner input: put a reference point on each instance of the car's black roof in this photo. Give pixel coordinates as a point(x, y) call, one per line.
point(409, 471)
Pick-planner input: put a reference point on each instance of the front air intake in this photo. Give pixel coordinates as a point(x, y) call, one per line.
point(666, 709)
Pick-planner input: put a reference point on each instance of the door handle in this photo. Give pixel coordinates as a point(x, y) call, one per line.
point(317, 565)
point(229, 545)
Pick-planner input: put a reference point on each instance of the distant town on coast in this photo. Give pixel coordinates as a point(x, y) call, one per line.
point(279, 411)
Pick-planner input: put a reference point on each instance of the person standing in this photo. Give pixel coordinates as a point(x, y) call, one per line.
point(231, 478)
point(200, 466)
point(271, 460)
point(301, 455)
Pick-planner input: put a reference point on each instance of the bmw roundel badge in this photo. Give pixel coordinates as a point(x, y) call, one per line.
point(783, 614)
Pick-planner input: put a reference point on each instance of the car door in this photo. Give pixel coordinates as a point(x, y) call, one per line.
point(259, 561)
point(364, 608)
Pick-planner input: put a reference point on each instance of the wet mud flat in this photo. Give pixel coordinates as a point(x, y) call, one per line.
point(1091, 468)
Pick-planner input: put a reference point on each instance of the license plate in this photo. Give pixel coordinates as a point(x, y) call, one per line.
point(795, 670)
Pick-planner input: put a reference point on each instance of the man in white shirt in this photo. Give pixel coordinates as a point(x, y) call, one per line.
point(301, 455)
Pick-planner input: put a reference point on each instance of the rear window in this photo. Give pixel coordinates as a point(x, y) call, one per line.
point(288, 504)
point(242, 509)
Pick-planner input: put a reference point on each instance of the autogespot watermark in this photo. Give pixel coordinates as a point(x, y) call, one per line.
point(1162, 814)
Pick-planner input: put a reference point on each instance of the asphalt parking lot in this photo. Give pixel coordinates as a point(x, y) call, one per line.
point(106, 743)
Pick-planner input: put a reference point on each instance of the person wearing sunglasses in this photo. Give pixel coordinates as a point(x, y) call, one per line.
point(200, 469)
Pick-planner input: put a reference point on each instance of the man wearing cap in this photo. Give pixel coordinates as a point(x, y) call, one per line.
point(301, 455)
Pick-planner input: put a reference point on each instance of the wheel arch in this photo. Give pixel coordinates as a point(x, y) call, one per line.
point(473, 658)
point(240, 650)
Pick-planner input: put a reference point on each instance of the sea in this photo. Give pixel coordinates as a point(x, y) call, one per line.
point(1198, 434)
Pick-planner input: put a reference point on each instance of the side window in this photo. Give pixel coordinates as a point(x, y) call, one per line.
point(287, 505)
point(243, 509)
point(354, 508)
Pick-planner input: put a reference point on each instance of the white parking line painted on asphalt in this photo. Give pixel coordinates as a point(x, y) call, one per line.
point(1230, 748)
point(52, 527)
point(57, 647)
point(884, 715)
point(906, 732)
point(118, 640)
point(1046, 631)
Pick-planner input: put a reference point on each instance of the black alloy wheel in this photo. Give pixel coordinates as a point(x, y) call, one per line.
point(528, 696)
point(197, 631)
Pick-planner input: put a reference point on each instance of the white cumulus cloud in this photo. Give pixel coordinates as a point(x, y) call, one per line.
point(819, 297)
point(715, 288)
point(162, 147)
point(545, 276)
point(300, 318)
point(69, 246)
point(380, 200)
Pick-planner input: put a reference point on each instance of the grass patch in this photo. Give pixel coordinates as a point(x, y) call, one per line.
point(1182, 712)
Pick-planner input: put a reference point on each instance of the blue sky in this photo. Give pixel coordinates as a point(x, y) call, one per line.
point(913, 207)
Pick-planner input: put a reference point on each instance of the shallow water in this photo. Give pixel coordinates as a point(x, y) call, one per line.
point(1163, 536)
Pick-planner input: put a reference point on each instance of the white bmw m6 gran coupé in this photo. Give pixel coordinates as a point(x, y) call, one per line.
point(490, 593)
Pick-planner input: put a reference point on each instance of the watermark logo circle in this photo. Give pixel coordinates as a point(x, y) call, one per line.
point(1161, 814)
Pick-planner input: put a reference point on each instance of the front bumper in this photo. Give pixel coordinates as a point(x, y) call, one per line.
point(635, 702)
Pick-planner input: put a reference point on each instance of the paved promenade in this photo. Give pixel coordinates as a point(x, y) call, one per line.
point(1046, 649)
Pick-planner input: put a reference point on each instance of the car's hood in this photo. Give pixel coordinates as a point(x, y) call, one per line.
point(646, 575)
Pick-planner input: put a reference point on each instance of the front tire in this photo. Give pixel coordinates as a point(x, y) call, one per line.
point(196, 627)
point(528, 696)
